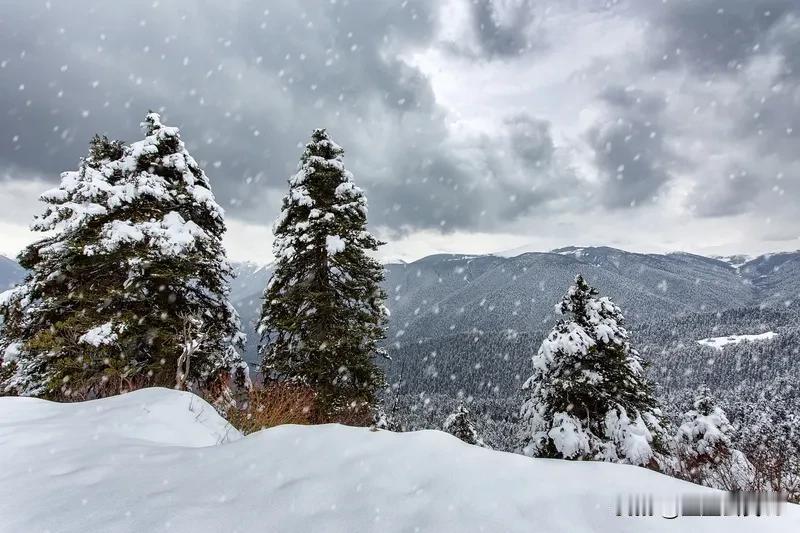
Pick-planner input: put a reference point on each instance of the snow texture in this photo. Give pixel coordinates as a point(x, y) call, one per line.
point(99, 335)
point(720, 342)
point(172, 235)
point(160, 460)
point(334, 244)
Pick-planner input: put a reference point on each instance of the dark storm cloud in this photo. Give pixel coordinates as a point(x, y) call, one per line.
point(502, 27)
point(629, 147)
point(784, 36)
point(531, 139)
point(247, 82)
point(754, 47)
point(733, 191)
point(242, 77)
point(482, 182)
point(714, 35)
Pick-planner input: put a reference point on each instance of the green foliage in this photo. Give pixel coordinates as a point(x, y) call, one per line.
point(135, 247)
point(323, 311)
point(588, 396)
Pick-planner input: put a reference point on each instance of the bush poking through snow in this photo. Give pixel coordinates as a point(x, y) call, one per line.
point(459, 425)
point(277, 404)
point(281, 403)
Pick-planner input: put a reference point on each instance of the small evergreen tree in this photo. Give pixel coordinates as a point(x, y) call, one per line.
point(704, 448)
point(323, 311)
point(379, 419)
point(135, 249)
point(459, 425)
point(588, 397)
point(705, 432)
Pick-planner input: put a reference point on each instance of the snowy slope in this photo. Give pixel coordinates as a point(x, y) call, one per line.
point(735, 261)
point(720, 342)
point(149, 462)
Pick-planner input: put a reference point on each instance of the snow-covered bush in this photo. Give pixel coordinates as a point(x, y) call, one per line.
point(459, 425)
point(705, 431)
point(272, 406)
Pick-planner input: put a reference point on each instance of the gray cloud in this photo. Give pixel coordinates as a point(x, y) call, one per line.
point(730, 193)
point(629, 147)
point(709, 35)
point(247, 81)
point(502, 27)
point(739, 62)
point(476, 183)
point(531, 140)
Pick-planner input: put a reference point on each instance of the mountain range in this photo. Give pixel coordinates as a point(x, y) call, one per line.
point(440, 295)
point(472, 322)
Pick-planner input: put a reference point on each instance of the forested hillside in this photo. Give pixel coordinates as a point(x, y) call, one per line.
point(471, 323)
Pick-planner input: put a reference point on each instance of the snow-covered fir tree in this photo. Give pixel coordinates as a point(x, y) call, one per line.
point(588, 397)
point(134, 254)
point(323, 312)
point(459, 425)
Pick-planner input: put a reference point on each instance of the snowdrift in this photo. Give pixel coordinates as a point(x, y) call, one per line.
point(161, 460)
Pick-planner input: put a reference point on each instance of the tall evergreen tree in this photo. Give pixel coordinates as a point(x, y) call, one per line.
point(323, 312)
point(588, 397)
point(134, 258)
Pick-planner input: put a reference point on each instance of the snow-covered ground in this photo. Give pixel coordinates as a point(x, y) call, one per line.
point(736, 261)
point(720, 342)
point(160, 460)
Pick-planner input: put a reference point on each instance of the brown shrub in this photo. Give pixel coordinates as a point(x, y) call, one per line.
point(282, 403)
point(350, 416)
point(274, 405)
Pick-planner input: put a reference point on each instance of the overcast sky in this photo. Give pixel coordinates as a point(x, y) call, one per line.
point(474, 126)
